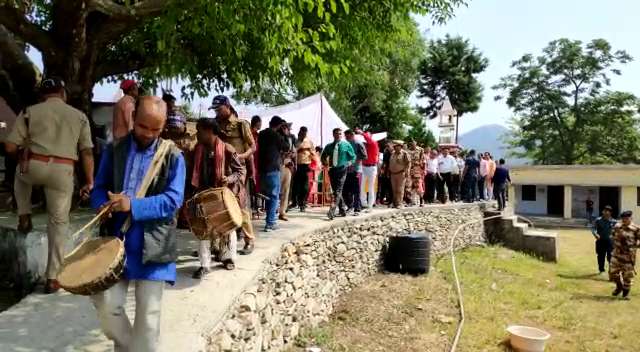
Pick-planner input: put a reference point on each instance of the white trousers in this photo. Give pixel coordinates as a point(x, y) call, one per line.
point(144, 335)
point(228, 252)
point(368, 182)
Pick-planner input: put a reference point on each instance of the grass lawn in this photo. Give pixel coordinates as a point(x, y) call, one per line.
point(500, 288)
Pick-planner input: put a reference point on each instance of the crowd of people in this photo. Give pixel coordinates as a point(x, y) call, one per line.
point(272, 169)
point(414, 176)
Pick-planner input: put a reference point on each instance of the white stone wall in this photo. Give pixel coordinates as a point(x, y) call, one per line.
point(299, 287)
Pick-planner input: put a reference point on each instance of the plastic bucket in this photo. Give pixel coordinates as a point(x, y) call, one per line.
point(527, 339)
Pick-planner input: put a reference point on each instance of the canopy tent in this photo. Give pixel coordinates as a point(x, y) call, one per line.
point(314, 112)
point(379, 136)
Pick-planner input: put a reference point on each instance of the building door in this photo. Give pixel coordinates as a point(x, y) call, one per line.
point(609, 196)
point(555, 200)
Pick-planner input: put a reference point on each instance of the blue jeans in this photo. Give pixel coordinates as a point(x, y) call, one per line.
point(270, 187)
point(471, 193)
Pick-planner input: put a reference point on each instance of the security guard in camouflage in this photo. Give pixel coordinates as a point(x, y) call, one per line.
point(626, 236)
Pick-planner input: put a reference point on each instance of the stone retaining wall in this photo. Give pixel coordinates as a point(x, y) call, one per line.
point(299, 287)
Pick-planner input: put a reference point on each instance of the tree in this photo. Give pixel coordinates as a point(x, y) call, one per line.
point(564, 111)
point(450, 69)
point(419, 132)
point(211, 44)
point(373, 92)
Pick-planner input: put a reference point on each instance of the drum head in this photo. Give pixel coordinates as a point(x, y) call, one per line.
point(231, 203)
point(92, 261)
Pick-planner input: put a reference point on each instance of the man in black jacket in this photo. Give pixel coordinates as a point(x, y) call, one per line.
point(272, 145)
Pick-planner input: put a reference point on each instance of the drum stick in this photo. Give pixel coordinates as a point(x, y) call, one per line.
point(93, 221)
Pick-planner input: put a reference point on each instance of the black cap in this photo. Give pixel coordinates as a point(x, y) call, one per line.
point(219, 100)
point(168, 96)
point(52, 85)
point(626, 214)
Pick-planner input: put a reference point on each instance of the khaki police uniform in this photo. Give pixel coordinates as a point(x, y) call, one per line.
point(56, 132)
point(237, 132)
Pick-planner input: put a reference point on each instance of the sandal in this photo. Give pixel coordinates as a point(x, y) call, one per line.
point(228, 264)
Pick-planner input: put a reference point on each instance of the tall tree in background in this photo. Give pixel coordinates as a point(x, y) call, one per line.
point(374, 91)
point(419, 132)
point(564, 112)
point(450, 68)
point(210, 44)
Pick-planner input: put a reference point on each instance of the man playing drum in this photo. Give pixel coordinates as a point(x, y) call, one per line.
point(214, 163)
point(150, 241)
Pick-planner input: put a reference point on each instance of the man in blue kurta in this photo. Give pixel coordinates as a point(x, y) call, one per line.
point(150, 241)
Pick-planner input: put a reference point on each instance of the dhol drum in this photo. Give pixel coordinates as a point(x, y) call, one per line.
point(93, 267)
point(213, 212)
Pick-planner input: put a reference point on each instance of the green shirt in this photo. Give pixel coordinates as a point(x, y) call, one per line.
point(345, 154)
point(603, 227)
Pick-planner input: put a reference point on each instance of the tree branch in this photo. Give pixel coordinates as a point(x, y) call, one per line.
point(112, 66)
point(141, 10)
point(14, 19)
point(24, 75)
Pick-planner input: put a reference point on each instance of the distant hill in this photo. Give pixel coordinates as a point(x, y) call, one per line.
point(487, 139)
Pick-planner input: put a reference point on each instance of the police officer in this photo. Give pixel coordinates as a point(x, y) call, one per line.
point(48, 138)
point(237, 132)
point(626, 236)
point(601, 230)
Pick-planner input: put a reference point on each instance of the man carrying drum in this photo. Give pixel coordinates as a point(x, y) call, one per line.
point(48, 138)
point(214, 163)
point(237, 132)
point(150, 241)
point(176, 130)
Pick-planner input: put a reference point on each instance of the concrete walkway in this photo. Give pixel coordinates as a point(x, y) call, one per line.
point(63, 322)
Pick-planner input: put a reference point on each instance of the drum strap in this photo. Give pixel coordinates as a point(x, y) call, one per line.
point(152, 172)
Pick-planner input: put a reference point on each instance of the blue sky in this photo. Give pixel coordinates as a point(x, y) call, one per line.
point(504, 30)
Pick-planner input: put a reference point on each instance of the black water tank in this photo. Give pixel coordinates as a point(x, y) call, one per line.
point(409, 254)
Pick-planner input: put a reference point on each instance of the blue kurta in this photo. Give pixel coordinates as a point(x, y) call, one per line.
point(161, 206)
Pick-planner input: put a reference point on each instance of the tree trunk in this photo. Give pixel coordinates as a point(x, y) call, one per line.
point(19, 77)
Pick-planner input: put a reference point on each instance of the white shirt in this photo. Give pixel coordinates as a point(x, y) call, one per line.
point(447, 164)
point(432, 165)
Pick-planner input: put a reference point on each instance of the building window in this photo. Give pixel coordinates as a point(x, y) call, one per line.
point(529, 193)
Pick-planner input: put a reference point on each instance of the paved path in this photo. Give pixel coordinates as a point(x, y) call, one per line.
point(63, 322)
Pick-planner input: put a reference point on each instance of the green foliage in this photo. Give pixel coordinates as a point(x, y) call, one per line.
point(187, 110)
point(564, 111)
point(263, 43)
point(419, 132)
point(450, 68)
point(213, 45)
point(379, 64)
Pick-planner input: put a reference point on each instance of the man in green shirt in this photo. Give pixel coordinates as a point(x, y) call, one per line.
point(601, 229)
point(340, 156)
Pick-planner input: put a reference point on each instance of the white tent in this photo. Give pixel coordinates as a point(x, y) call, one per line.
point(314, 112)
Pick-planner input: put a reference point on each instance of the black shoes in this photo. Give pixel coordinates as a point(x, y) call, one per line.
point(248, 249)
point(619, 289)
point(200, 273)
